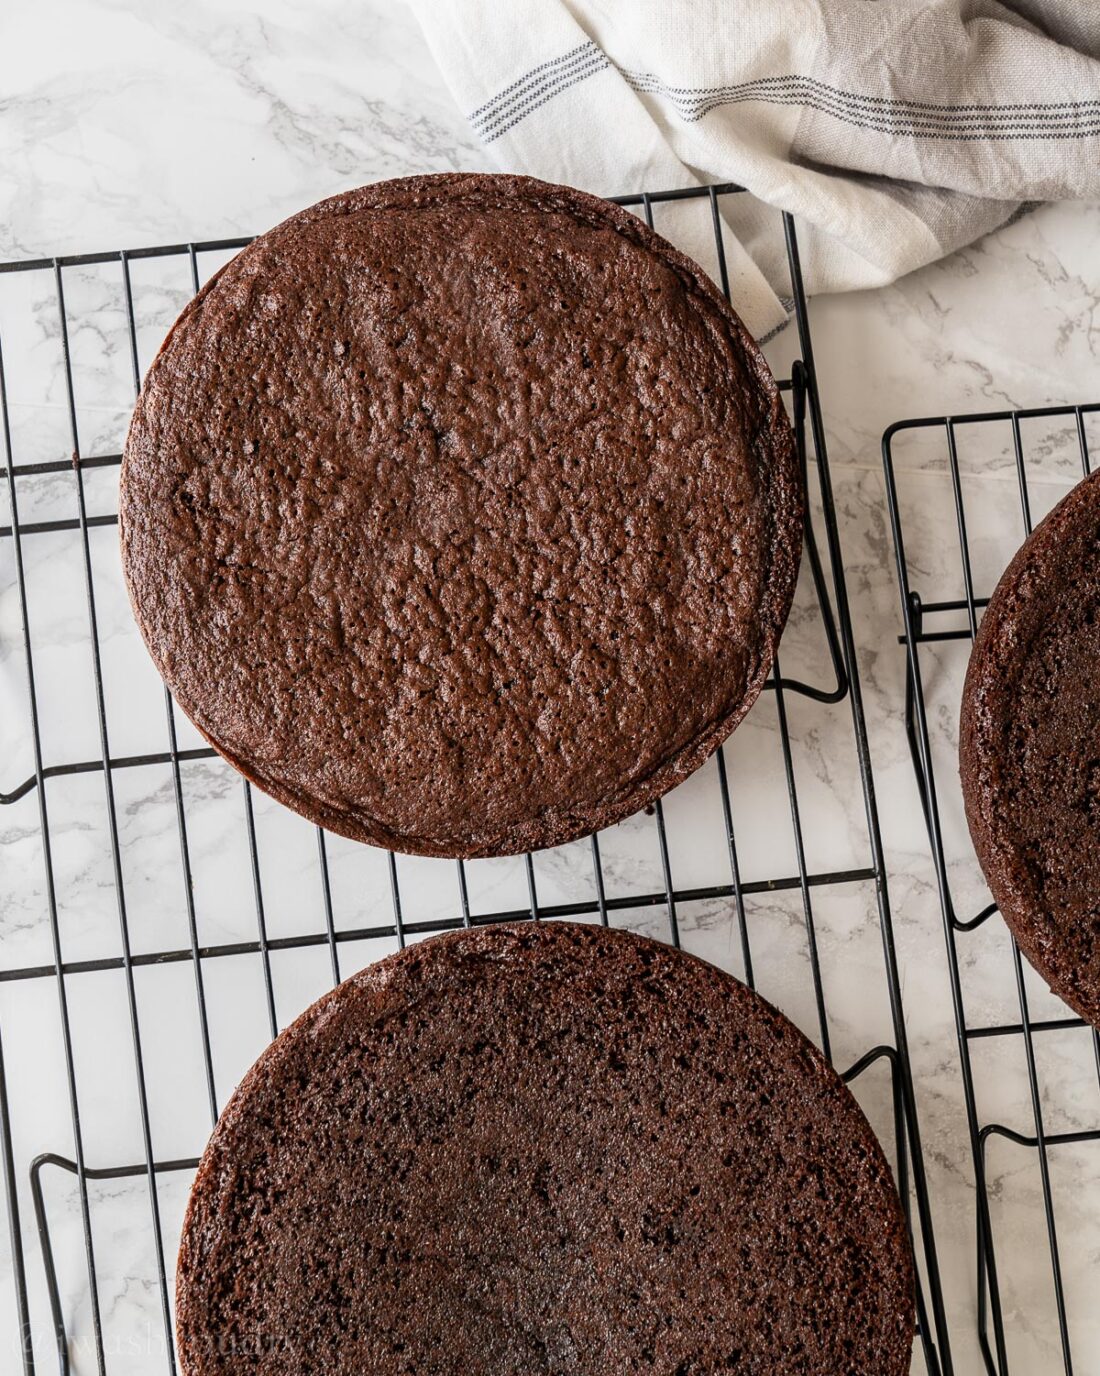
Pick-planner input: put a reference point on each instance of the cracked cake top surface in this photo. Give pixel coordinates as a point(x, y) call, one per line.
point(461, 514)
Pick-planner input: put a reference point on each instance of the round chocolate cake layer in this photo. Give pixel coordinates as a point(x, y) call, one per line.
point(543, 1148)
point(1030, 748)
point(461, 514)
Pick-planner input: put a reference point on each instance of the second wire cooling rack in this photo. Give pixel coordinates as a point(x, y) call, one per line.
point(1030, 1068)
point(161, 921)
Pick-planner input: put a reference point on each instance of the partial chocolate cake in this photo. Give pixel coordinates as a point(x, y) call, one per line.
point(461, 514)
point(547, 1149)
point(1030, 748)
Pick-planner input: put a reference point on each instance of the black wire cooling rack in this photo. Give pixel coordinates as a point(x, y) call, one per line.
point(1044, 1066)
point(112, 1026)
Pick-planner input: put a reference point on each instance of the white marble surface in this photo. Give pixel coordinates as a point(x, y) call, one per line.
point(129, 125)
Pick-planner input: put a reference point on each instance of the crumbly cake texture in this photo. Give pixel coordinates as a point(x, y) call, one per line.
point(1030, 748)
point(543, 1148)
point(461, 514)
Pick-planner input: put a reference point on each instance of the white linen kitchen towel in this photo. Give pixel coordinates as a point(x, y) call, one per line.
point(897, 130)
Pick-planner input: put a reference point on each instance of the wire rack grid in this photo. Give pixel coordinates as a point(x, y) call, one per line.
point(137, 1046)
point(1030, 1069)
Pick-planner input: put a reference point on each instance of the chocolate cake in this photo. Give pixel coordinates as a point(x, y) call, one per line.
point(1030, 748)
point(461, 514)
point(546, 1148)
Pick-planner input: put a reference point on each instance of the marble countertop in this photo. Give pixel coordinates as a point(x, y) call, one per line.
point(128, 125)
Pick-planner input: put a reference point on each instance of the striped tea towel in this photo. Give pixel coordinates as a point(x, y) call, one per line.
point(897, 130)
